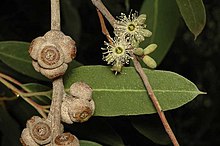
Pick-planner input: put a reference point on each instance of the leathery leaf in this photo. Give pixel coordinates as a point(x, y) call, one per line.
point(124, 94)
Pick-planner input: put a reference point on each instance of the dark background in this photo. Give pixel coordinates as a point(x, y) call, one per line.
point(195, 124)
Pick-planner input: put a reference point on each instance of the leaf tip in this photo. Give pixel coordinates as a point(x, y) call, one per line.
point(195, 36)
point(201, 92)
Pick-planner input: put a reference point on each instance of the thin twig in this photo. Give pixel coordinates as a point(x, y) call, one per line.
point(10, 86)
point(153, 98)
point(10, 79)
point(24, 94)
point(104, 10)
point(46, 106)
point(41, 109)
point(55, 14)
point(38, 107)
point(8, 98)
point(43, 93)
point(103, 26)
point(144, 78)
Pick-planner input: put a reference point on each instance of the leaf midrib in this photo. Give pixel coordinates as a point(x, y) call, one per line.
point(193, 13)
point(156, 91)
point(16, 58)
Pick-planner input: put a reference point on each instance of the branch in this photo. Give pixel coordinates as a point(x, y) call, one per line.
point(58, 89)
point(8, 98)
point(142, 75)
point(27, 92)
point(103, 26)
point(153, 98)
point(99, 5)
point(55, 14)
point(55, 114)
point(18, 93)
point(10, 79)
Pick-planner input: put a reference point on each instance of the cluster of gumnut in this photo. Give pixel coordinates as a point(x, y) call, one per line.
point(50, 55)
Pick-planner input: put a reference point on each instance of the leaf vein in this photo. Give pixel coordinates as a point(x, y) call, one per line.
point(132, 90)
point(16, 58)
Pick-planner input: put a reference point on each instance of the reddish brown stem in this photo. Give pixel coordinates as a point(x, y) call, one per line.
point(99, 5)
point(17, 92)
point(142, 75)
point(154, 100)
point(103, 26)
point(10, 79)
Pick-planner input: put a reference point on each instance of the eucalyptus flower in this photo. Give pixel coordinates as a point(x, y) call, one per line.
point(117, 53)
point(132, 27)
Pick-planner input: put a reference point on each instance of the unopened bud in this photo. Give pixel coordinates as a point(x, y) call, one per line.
point(150, 49)
point(117, 68)
point(150, 62)
point(139, 51)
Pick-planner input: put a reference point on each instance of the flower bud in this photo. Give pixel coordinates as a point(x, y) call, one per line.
point(139, 51)
point(117, 68)
point(150, 62)
point(150, 48)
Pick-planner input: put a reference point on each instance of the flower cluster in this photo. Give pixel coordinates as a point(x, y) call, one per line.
point(129, 32)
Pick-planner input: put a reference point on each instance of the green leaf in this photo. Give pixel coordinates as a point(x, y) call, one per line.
point(162, 20)
point(5, 69)
point(88, 143)
point(152, 128)
point(125, 94)
point(34, 87)
point(97, 129)
point(10, 129)
point(72, 65)
point(193, 12)
point(15, 55)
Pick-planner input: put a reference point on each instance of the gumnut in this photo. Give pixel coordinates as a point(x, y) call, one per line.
point(66, 139)
point(75, 109)
point(40, 130)
point(51, 53)
point(81, 90)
